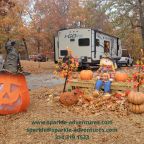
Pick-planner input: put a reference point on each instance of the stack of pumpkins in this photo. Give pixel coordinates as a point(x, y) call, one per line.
point(136, 102)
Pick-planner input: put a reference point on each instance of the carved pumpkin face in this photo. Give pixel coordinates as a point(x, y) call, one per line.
point(14, 95)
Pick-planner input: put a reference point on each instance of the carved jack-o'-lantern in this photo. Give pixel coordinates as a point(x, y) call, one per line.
point(14, 94)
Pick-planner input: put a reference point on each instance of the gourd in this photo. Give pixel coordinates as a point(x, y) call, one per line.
point(136, 97)
point(86, 75)
point(121, 76)
point(68, 98)
point(95, 93)
point(88, 97)
point(14, 94)
point(136, 108)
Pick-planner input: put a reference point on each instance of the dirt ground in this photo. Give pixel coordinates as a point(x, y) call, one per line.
point(45, 107)
point(38, 67)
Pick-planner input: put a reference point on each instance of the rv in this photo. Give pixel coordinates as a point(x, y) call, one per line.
point(88, 45)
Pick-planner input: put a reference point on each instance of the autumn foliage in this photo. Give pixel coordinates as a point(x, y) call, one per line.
point(34, 23)
point(66, 68)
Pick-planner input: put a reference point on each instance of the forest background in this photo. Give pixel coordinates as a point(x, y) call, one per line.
point(34, 23)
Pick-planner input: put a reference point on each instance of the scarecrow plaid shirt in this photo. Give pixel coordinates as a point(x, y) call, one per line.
point(105, 73)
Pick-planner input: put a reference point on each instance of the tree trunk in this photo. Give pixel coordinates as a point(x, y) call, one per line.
point(141, 12)
point(38, 46)
point(26, 49)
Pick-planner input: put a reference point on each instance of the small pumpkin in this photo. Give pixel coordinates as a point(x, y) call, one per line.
point(136, 108)
point(95, 93)
point(119, 76)
point(136, 97)
point(68, 98)
point(86, 75)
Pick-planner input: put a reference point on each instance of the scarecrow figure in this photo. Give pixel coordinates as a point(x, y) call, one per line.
point(105, 76)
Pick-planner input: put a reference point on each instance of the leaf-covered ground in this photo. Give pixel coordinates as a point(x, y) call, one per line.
point(45, 106)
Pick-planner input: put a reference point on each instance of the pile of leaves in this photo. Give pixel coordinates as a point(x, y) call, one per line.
point(88, 105)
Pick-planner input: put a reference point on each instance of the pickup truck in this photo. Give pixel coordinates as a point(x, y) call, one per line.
point(126, 59)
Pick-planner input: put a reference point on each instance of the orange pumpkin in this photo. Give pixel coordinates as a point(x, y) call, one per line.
point(68, 98)
point(14, 94)
point(136, 97)
point(86, 75)
point(121, 76)
point(136, 108)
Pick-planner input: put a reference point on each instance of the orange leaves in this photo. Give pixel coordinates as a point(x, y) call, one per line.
point(5, 6)
point(23, 32)
point(137, 77)
point(127, 92)
point(66, 68)
point(12, 25)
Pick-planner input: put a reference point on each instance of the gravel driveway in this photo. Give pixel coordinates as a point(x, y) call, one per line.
point(35, 81)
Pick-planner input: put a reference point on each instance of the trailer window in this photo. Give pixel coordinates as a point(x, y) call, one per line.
point(97, 42)
point(84, 42)
point(106, 46)
point(63, 52)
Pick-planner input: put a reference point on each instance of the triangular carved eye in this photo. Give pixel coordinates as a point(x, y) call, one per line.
point(5, 96)
point(1, 86)
point(13, 87)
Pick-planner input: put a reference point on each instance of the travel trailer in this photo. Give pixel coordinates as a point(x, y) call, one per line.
point(88, 45)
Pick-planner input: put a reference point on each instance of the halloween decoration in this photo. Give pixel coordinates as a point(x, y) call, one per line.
point(12, 62)
point(14, 94)
point(136, 97)
point(138, 109)
point(106, 75)
point(66, 66)
point(68, 98)
point(86, 75)
point(121, 76)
